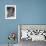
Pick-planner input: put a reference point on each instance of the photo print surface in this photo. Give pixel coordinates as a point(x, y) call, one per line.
point(32, 32)
point(10, 11)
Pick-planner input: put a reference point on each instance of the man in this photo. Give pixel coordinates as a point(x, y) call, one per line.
point(10, 11)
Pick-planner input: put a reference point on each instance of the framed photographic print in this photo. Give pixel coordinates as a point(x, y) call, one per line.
point(10, 11)
point(33, 32)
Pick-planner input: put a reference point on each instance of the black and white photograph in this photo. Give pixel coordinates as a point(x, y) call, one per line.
point(31, 34)
point(10, 11)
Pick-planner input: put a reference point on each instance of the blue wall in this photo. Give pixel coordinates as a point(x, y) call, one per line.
point(28, 12)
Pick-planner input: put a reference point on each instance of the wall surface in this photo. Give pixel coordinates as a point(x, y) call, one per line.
point(27, 12)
